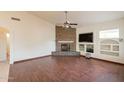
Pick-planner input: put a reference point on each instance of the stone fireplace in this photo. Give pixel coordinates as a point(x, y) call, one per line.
point(65, 42)
point(65, 36)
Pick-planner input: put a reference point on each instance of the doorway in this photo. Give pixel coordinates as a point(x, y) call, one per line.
point(4, 46)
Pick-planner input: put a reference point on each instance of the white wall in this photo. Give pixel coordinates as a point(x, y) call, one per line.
point(3, 44)
point(31, 37)
point(103, 26)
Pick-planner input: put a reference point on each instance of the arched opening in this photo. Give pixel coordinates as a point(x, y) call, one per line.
point(4, 45)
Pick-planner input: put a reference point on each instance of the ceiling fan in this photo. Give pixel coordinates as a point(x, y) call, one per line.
point(67, 24)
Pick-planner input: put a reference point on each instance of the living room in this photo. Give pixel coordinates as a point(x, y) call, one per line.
point(62, 46)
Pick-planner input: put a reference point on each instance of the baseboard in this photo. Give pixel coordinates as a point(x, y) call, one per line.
point(20, 61)
point(104, 60)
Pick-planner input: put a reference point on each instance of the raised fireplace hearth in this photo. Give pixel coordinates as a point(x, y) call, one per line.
point(65, 53)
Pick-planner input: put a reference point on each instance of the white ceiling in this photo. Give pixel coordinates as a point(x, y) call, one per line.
point(81, 17)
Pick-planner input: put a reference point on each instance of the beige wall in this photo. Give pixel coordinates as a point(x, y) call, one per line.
point(31, 37)
point(103, 26)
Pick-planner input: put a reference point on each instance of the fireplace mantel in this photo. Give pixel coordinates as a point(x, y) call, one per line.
point(65, 41)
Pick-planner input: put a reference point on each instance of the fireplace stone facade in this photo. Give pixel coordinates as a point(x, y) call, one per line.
point(65, 42)
point(67, 35)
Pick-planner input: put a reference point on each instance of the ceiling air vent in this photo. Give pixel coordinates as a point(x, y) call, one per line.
point(16, 19)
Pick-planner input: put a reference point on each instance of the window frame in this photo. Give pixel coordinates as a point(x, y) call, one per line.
point(107, 36)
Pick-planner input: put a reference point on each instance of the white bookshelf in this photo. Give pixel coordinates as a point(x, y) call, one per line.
point(111, 48)
point(86, 47)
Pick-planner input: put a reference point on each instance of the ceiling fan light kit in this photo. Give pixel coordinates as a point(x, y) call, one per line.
point(67, 24)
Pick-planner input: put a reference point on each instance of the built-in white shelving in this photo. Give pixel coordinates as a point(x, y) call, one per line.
point(109, 47)
point(86, 47)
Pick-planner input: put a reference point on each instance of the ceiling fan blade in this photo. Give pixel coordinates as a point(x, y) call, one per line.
point(73, 24)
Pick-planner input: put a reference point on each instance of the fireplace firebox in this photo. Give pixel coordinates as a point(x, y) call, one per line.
point(65, 47)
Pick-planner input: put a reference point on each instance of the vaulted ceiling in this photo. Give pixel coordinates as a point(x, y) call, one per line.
point(81, 17)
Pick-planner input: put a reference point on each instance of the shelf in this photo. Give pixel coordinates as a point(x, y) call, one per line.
point(86, 47)
point(115, 48)
point(110, 48)
point(85, 43)
point(110, 51)
point(110, 44)
point(81, 47)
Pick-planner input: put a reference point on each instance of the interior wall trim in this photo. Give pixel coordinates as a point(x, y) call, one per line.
point(20, 61)
point(104, 60)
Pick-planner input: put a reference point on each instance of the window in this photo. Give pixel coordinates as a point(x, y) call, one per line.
point(112, 33)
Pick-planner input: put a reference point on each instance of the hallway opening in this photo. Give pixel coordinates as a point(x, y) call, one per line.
point(4, 46)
